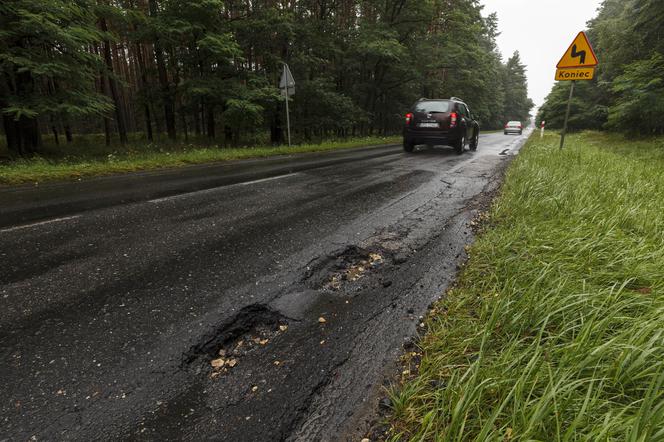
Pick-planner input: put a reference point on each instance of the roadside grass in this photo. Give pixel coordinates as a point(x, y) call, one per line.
point(555, 329)
point(78, 162)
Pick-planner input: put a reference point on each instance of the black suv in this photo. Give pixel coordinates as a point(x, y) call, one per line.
point(441, 121)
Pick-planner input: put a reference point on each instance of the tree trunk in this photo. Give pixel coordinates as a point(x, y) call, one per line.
point(148, 122)
point(54, 129)
point(23, 136)
point(144, 89)
point(119, 115)
point(183, 119)
point(107, 131)
point(197, 120)
point(169, 106)
point(210, 122)
point(68, 135)
point(228, 135)
point(121, 66)
point(102, 89)
point(276, 131)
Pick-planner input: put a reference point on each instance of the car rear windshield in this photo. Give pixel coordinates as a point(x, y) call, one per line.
point(514, 123)
point(432, 106)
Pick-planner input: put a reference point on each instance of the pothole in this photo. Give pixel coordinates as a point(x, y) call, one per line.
point(345, 266)
point(391, 240)
point(252, 329)
point(354, 271)
point(230, 354)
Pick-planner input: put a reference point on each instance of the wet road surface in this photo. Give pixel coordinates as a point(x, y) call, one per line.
point(304, 287)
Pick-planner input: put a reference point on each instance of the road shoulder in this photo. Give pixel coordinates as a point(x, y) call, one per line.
point(32, 203)
point(559, 307)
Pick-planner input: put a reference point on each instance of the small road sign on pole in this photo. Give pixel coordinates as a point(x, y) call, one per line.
point(287, 86)
point(577, 63)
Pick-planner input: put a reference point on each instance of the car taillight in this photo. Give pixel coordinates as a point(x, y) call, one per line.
point(409, 118)
point(453, 119)
point(506, 126)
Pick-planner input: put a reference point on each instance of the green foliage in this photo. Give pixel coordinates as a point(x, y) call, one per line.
point(328, 110)
point(243, 114)
point(517, 103)
point(44, 67)
point(639, 105)
point(627, 93)
point(586, 110)
point(212, 66)
point(381, 47)
point(89, 157)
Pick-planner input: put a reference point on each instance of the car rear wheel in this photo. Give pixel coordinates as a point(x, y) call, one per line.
point(460, 145)
point(476, 141)
point(408, 146)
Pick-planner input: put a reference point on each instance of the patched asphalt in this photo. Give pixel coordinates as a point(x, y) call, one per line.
point(305, 283)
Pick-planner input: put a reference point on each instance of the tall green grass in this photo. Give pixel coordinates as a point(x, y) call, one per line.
point(76, 162)
point(555, 331)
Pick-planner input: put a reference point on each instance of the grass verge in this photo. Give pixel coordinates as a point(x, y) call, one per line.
point(555, 329)
point(147, 157)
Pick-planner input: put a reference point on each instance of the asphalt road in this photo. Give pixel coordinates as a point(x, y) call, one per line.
point(306, 283)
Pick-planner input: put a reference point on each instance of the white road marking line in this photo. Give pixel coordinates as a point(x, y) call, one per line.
point(215, 189)
point(265, 179)
point(40, 223)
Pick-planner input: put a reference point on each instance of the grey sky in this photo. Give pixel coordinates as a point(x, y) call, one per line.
point(541, 30)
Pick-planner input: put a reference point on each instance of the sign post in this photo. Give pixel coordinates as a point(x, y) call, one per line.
point(287, 86)
point(542, 124)
point(577, 63)
point(288, 117)
point(569, 104)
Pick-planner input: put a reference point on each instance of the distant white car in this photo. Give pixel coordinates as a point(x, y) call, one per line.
point(513, 127)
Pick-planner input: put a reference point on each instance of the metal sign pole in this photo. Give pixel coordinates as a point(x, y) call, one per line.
point(569, 103)
point(287, 86)
point(287, 117)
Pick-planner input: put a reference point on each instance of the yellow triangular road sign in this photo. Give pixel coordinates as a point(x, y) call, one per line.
point(579, 54)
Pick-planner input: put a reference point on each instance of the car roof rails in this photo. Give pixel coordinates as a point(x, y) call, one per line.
point(456, 99)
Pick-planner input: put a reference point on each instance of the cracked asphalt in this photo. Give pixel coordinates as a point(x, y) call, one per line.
point(310, 282)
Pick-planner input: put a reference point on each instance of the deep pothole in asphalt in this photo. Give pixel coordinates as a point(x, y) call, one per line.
point(252, 329)
point(257, 327)
point(346, 266)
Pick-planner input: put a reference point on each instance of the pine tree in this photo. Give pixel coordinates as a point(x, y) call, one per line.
point(626, 94)
point(517, 103)
point(46, 69)
point(212, 66)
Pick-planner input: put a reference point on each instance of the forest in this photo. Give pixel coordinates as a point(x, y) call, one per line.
point(627, 94)
point(207, 71)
